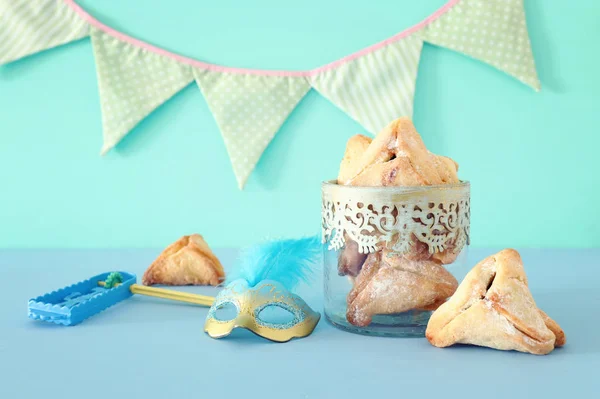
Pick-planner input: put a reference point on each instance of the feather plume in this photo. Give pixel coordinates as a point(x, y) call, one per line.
point(286, 261)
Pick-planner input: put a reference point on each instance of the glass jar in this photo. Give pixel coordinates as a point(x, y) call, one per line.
point(389, 254)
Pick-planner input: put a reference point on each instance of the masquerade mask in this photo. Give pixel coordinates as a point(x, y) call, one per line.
point(259, 290)
point(250, 307)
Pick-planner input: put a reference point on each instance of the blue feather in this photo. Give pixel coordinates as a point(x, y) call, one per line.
point(288, 262)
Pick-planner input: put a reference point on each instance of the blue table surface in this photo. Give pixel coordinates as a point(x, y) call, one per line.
point(151, 348)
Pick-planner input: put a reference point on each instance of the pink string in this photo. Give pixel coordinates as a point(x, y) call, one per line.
point(219, 68)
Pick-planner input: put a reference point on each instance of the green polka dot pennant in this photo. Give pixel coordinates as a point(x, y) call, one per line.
point(30, 26)
point(132, 83)
point(493, 31)
point(249, 110)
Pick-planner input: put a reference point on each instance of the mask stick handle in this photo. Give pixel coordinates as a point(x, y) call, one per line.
point(169, 294)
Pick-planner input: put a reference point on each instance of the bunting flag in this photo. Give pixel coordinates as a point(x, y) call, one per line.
point(132, 83)
point(373, 86)
point(249, 110)
point(30, 26)
point(493, 31)
point(376, 88)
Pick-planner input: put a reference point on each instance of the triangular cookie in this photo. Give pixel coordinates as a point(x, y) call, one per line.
point(388, 284)
point(350, 260)
point(355, 148)
point(397, 156)
point(493, 307)
point(188, 261)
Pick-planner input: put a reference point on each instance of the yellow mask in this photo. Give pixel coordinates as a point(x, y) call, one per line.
point(249, 302)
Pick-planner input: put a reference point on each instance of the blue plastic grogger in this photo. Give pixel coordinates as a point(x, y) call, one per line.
point(73, 304)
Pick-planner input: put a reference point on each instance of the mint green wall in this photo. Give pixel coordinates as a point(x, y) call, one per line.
point(531, 157)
